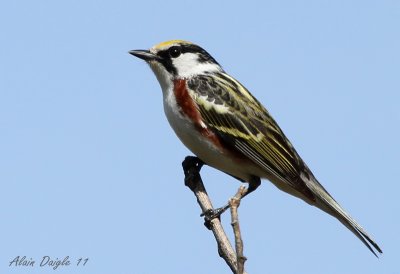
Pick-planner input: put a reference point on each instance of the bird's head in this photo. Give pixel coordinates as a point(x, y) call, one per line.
point(177, 59)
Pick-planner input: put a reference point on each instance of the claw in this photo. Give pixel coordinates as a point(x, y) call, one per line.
point(214, 213)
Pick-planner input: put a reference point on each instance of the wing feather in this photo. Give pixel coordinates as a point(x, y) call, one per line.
point(242, 122)
point(234, 114)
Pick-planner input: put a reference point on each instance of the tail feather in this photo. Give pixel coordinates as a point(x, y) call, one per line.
point(326, 202)
point(360, 233)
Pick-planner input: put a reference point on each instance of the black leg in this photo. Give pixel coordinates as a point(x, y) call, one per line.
point(191, 167)
point(254, 183)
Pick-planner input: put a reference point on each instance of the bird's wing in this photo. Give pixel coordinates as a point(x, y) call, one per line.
point(240, 120)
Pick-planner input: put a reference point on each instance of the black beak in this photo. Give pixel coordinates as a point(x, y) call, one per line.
point(144, 54)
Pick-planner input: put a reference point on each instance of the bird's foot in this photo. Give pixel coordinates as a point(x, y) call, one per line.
point(211, 214)
point(191, 167)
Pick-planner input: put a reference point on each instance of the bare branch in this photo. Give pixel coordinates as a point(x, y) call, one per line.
point(191, 167)
point(234, 204)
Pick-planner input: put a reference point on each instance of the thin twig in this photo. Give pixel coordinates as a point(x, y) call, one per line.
point(234, 204)
point(191, 167)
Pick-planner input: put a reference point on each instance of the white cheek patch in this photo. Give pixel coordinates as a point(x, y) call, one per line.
point(187, 64)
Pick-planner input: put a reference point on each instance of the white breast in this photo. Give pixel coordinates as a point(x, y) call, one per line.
point(198, 144)
point(185, 130)
point(190, 136)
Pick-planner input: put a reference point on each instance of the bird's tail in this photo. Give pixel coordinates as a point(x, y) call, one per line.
point(326, 202)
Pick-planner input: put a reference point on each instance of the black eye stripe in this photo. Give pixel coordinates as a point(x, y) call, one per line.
point(203, 55)
point(169, 54)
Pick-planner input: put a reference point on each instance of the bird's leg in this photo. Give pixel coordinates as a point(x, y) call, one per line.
point(254, 183)
point(191, 167)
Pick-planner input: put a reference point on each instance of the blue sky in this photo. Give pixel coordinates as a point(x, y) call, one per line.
point(89, 167)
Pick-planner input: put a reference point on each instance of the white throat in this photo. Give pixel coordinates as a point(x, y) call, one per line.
point(163, 76)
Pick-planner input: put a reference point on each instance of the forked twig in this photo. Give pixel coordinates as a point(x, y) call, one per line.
point(191, 167)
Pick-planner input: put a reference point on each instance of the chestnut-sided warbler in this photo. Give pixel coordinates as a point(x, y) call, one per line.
point(221, 122)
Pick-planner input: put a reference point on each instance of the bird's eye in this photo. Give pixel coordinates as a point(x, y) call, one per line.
point(174, 52)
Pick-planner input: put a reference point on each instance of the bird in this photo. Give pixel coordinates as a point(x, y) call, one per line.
point(227, 128)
